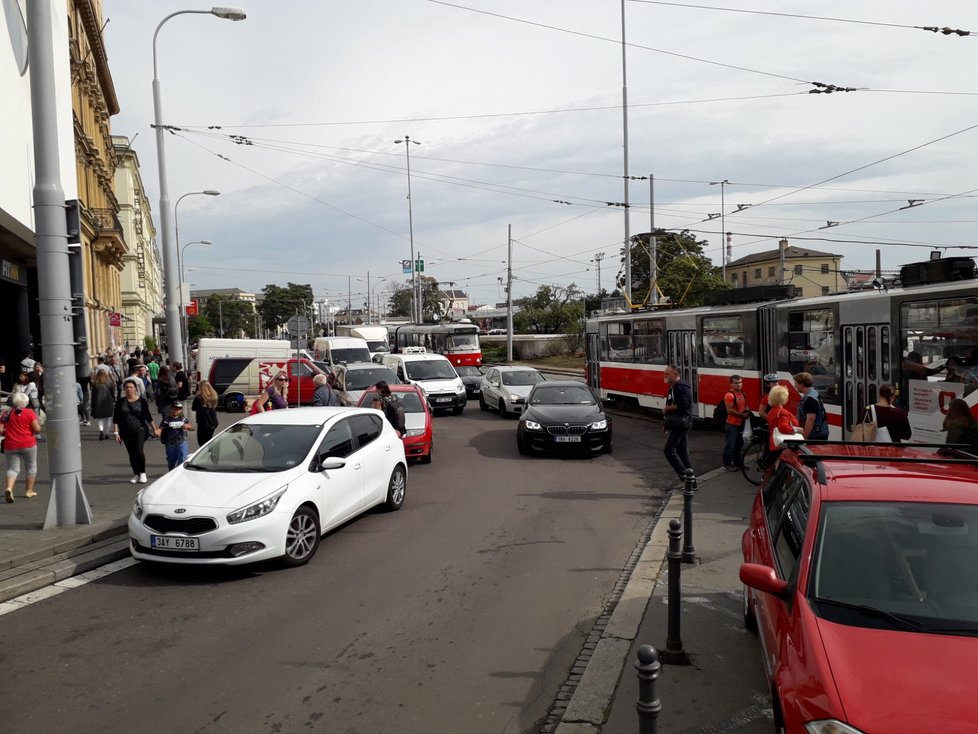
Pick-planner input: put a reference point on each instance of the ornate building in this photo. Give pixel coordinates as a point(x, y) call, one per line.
point(103, 242)
point(142, 278)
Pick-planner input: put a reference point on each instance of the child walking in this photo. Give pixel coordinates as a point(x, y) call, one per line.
point(173, 435)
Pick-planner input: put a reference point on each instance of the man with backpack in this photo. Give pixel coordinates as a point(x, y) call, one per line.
point(811, 410)
point(390, 405)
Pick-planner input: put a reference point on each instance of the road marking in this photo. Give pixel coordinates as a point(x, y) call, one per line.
point(58, 587)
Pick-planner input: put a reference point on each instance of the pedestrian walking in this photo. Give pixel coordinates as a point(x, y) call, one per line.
point(26, 386)
point(886, 415)
point(26, 361)
point(812, 417)
point(103, 403)
point(166, 391)
point(37, 377)
point(678, 421)
point(133, 422)
point(182, 381)
point(735, 402)
point(173, 435)
point(18, 429)
point(323, 395)
point(961, 426)
point(153, 368)
point(390, 406)
point(205, 411)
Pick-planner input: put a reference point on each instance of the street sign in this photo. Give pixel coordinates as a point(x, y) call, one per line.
point(193, 308)
point(406, 266)
point(419, 265)
point(299, 325)
point(115, 319)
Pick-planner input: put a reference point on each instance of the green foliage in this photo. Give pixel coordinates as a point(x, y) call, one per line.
point(686, 275)
point(149, 342)
point(199, 327)
point(280, 304)
point(551, 310)
point(230, 316)
point(493, 354)
point(399, 303)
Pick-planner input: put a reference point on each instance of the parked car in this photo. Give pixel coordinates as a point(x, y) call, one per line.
point(564, 416)
point(861, 578)
point(505, 388)
point(352, 379)
point(471, 376)
point(235, 379)
point(418, 422)
point(269, 486)
point(433, 373)
point(497, 332)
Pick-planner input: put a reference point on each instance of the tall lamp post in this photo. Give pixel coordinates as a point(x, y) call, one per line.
point(176, 230)
point(183, 311)
point(416, 301)
point(171, 266)
point(723, 226)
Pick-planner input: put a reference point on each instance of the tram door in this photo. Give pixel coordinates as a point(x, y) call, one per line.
point(865, 366)
point(593, 361)
point(682, 353)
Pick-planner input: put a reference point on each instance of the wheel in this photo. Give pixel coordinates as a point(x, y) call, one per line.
point(302, 537)
point(233, 404)
point(502, 409)
point(426, 459)
point(750, 621)
point(607, 449)
point(482, 405)
point(753, 462)
point(396, 489)
point(521, 445)
point(458, 410)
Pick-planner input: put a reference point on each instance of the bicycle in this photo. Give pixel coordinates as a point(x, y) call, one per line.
point(752, 461)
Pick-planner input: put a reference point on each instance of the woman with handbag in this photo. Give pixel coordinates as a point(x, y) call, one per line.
point(133, 422)
point(892, 423)
point(205, 411)
point(103, 403)
point(780, 422)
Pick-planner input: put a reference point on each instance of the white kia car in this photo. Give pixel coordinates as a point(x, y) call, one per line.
point(269, 486)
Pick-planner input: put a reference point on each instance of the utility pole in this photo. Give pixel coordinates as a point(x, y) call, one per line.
point(68, 505)
point(368, 297)
point(598, 257)
point(624, 118)
point(220, 316)
point(723, 226)
point(509, 296)
point(349, 300)
point(653, 246)
point(419, 289)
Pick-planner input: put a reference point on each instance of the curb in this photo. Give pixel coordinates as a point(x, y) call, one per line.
point(588, 707)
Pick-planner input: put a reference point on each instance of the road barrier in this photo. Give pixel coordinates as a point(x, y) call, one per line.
point(648, 706)
point(689, 553)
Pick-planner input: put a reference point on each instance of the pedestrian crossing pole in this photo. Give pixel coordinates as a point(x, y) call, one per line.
point(67, 505)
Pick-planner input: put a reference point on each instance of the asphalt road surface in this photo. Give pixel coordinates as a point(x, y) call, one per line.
point(463, 612)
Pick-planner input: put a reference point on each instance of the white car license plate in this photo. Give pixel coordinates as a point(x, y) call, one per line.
point(567, 439)
point(443, 400)
point(165, 542)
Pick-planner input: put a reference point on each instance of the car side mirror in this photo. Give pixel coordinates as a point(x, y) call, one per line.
point(607, 401)
point(330, 462)
point(763, 578)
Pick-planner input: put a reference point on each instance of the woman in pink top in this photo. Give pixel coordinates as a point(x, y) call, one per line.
point(18, 428)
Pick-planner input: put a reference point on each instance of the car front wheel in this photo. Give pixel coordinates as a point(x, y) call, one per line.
point(482, 405)
point(521, 445)
point(396, 489)
point(302, 537)
point(750, 621)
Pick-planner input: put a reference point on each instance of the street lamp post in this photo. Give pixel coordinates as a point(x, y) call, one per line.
point(171, 265)
point(416, 307)
point(183, 318)
point(723, 226)
point(176, 231)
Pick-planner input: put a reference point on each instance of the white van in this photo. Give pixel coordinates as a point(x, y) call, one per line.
point(435, 376)
point(210, 349)
point(334, 350)
point(375, 336)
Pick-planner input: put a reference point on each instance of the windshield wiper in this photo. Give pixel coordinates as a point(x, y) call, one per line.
point(897, 620)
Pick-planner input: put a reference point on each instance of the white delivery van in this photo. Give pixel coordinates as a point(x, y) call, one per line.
point(375, 336)
point(434, 374)
point(210, 349)
point(335, 350)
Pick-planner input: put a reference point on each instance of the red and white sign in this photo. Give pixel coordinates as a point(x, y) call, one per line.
point(193, 308)
point(115, 319)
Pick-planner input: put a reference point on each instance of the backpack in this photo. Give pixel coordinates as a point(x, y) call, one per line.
point(394, 413)
point(720, 414)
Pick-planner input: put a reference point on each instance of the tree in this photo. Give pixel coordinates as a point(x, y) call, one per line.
point(230, 315)
point(686, 275)
point(551, 310)
point(199, 327)
point(280, 304)
point(399, 302)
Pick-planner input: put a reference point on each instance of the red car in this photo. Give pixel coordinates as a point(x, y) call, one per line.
point(861, 578)
point(419, 438)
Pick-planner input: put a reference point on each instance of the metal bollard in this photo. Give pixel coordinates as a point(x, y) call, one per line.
point(647, 705)
point(689, 553)
point(674, 652)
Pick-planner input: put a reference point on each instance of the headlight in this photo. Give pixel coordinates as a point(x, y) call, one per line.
point(258, 509)
point(415, 432)
point(830, 726)
point(460, 388)
point(532, 426)
point(514, 398)
point(599, 425)
point(137, 506)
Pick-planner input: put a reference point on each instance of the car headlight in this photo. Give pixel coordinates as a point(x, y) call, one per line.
point(514, 398)
point(830, 726)
point(260, 508)
point(137, 506)
point(599, 425)
point(532, 426)
point(460, 388)
point(415, 432)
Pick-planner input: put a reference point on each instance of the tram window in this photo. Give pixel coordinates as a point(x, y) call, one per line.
point(885, 353)
point(871, 353)
point(811, 348)
point(860, 355)
point(620, 342)
point(647, 337)
point(723, 341)
point(931, 332)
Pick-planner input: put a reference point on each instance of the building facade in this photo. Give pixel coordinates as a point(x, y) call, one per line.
point(142, 275)
point(103, 244)
point(813, 273)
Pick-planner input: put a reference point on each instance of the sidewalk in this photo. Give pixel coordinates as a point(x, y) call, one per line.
point(31, 558)
point(722, 689)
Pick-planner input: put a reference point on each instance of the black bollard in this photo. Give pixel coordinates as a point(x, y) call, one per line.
point(647, 705)
point(674, 652)
point(689, 553)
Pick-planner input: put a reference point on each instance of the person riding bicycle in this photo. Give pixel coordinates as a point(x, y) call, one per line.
point(770, 380)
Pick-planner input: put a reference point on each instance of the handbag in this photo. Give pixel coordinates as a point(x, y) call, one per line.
point(867, 430)
point(882, 434)
point(675, 422)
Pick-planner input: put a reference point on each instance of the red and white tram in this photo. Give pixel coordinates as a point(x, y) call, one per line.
point(457, 340)
point(851, 343)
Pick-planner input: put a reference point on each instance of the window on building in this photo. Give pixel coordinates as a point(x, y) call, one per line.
point(798, 269)
point(735, 279)
point(757, 273)
point(825, 268)
point(825, 290)
point(745, 277)
point(770, 272)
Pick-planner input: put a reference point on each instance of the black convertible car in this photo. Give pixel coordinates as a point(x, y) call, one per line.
point(563, 416)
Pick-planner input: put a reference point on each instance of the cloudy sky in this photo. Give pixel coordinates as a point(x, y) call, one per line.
point(292, 114)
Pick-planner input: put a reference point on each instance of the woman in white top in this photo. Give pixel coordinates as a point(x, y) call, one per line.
point(27, 387)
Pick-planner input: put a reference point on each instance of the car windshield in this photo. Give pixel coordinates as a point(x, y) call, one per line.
point(468, 370)
point(566, 395)
point(430, 369)
point(408, 400)
point(362, 379)
point(522, 378)
point(377, 346)
point(256, 447)
point(353, 354)
point(462, 341)
point(903, 565)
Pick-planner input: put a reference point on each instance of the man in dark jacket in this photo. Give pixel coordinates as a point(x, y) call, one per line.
point(678, 420)
point(323, 395)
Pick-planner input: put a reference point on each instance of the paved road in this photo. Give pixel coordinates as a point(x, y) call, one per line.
point(462, 612)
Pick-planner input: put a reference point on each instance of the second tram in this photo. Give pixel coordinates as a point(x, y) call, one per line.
point(458, 341)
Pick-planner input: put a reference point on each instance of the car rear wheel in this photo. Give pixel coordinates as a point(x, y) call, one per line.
point(750, 621)
point(396, 489)
point(502, 409)
point(233, 404)
point(302, 537)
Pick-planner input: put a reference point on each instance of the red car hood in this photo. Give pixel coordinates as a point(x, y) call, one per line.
point(903, 682)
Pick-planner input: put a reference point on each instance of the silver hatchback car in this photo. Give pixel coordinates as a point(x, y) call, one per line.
point(505, 388)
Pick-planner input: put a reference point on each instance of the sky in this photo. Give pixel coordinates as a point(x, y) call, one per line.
point(293, 113)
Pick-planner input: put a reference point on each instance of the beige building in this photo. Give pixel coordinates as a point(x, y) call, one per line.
point(813, 273)
point(142, 277)
point(103, 243)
